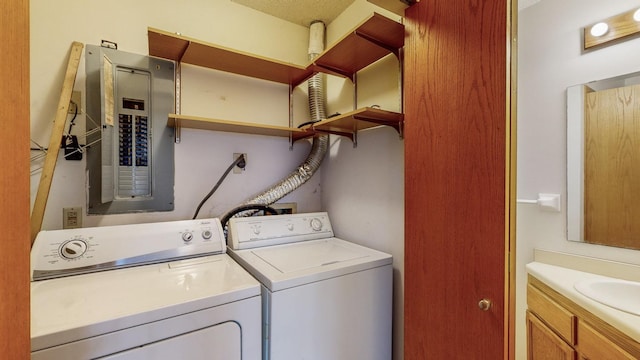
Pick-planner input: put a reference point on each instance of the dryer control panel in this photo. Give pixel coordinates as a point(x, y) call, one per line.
point(66, 252)
point(253, 232)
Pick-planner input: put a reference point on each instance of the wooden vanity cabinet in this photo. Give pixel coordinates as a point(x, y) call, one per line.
point(594, 345)
point(543, 343)
point(559, 329)
point(551, 329)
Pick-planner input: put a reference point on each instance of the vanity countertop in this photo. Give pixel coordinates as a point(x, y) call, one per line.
point(561, 279)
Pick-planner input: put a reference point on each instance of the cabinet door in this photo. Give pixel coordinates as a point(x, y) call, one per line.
point(544, 344)
point(457, 180)
point(594, 346)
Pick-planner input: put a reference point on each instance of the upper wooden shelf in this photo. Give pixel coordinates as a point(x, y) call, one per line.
point(191, 51)
point(395, 6)
point(374, 38)
point(371, 40)
point(196, 122)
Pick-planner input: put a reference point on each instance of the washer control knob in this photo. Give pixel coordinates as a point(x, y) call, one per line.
point(206, 234)
point(256, 230)
point(316, 224)
point(73, 249)
point(290, 227)
point(187, 236)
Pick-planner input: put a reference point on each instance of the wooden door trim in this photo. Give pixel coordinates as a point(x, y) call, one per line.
point(14, 180)
point(510, 176)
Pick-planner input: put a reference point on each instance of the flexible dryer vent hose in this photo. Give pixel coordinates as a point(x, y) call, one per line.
point(304, 171)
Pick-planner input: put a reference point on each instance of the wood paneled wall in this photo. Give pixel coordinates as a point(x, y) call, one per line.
point(14, 180)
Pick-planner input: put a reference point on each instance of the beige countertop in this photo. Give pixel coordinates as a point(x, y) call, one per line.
point(561, 278)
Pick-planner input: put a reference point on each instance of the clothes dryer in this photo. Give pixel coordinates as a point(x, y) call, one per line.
point(147, 291)
point(322, 297)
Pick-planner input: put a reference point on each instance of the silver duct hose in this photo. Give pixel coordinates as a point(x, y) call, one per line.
point(320, 142)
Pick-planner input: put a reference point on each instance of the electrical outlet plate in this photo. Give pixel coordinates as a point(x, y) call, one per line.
point(236, 169)
point(72, 218)
point(285, 208)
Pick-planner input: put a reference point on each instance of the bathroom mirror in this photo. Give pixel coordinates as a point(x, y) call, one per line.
point(603, 162)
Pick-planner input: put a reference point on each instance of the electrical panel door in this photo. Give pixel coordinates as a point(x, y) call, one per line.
point(129, 97)
point(133, 92)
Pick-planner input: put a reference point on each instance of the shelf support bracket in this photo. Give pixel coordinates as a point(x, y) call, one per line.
point(334, 70)
point(177, 132)
point(351, 135)
point(178, 101)
point(377, 42)
point(396, 125)
point(291, 116)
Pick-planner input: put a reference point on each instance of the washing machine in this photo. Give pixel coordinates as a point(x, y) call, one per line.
point(322, 297)
point(145, 292)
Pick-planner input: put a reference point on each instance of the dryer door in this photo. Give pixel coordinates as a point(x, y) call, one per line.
point(218, 342)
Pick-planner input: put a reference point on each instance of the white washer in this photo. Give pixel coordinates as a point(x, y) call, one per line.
point(146, 291)
point(322, 297)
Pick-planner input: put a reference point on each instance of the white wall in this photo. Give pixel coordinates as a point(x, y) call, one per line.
point(361, 188)
point(202, 156)
point(550, 60)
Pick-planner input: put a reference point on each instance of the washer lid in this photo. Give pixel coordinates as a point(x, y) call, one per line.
point(308, 255)
point(283, 266)
point(78, 307)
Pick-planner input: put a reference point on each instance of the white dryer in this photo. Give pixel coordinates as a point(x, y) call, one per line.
point(144, 292)
point(322, 297)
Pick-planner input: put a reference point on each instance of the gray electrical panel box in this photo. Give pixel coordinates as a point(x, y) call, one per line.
point(130, 162)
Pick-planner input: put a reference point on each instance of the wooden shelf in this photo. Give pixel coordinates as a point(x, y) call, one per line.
point(196, 122)
point(371, 40)
point(345, 125)
point(350, 123)
point(374, 38)
point(395, 6)
point(191, 51)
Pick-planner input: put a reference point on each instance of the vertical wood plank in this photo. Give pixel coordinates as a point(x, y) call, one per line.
point(14, 180)
point(457, 114)
point(40, 204)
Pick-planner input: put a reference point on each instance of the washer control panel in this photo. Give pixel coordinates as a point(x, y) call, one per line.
point(252, 232)
point(66, 252)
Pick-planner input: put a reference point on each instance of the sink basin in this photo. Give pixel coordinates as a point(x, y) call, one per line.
point(618, 294)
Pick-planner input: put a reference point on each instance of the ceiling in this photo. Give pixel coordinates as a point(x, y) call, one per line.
point(301, 12)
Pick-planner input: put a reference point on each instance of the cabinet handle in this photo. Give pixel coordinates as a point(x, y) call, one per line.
point(484, 304)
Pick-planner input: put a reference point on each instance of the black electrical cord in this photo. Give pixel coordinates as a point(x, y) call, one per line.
point(75, 114)
point(315, 121)
point(241, 208)
point(307, 123)
point(238, 160)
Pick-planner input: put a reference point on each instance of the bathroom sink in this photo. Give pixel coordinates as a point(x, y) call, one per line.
point(619, 294)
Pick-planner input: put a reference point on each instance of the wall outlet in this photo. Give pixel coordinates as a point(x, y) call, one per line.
point(72, 218)
point(285, 208)
point(76, 98)
point(237, 169)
